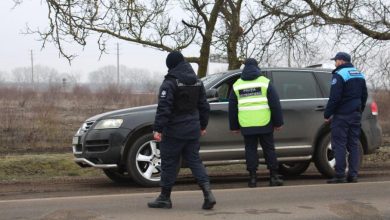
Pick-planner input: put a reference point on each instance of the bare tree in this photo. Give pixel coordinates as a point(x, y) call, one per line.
point(359, 26)
point(368, 17)
point(138, 80)
point(148, 23)
point(247, 29)
point(203, 18)
point(3, 76)
point(21, 75)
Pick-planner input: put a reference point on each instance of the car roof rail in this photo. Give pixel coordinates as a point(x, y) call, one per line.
point(314, 66)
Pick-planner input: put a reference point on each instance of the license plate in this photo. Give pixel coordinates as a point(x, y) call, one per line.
point(75, 140)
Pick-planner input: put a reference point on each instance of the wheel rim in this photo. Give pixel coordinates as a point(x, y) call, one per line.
point(330, 156)
point(332, 159)
point(289, 165)
point(148, 161)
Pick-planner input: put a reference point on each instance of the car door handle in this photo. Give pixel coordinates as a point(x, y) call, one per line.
point(320, 108)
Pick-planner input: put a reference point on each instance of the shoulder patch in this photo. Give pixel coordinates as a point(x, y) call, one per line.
point(163, 94)
point(353, 72)
point(334, 81)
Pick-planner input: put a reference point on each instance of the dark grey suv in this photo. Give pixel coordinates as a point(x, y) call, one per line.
point(121, 142)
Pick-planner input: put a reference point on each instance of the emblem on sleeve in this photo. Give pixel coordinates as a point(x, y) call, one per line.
point(163, 94)
point(334, 81)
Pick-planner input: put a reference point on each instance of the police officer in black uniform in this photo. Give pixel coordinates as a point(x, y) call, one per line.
point(181, 118)
point(348, 96)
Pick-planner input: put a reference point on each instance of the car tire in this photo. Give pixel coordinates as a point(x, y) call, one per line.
point(293, 168)
point(324, 159)
point(144, 161)
point(117, 176)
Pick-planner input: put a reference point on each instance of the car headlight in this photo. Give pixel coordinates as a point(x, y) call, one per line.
point(109, 123)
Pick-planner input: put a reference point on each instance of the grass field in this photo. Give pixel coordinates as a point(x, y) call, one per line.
point(49, 166)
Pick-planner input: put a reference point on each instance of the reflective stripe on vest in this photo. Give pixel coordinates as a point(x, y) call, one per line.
point(241, 101)
point(253, 108)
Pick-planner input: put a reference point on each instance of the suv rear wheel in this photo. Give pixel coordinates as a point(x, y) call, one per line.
point(324, 157)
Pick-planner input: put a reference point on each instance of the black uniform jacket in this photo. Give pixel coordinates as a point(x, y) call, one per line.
point(184, 125)
point(250, 73)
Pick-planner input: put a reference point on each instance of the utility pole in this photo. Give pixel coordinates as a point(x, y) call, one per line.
point(289, 53)
point(32, 67)
point(117, 63)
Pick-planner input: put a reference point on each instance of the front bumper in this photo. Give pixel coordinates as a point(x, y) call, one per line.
point(82, 162)
point(99, 148)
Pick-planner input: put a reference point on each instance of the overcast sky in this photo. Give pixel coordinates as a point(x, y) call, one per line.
point(15, 46)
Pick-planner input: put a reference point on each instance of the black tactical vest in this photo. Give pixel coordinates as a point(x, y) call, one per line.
point(186, 97)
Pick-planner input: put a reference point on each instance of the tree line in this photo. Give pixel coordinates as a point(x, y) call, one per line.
point(136, 79)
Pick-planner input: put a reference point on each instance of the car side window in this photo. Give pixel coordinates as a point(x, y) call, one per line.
point(295, 85)
point(225, 88)
point(324, 79)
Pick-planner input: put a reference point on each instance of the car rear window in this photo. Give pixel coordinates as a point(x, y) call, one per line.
point(295, 85)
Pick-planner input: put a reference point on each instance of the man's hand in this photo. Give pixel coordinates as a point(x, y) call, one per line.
point(157, 136)
point(203, 132)
point(327, 120)
point(235, 131)
point(278, 128)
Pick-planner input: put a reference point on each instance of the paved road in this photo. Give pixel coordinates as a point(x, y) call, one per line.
point(233, 179)
point(367, 200)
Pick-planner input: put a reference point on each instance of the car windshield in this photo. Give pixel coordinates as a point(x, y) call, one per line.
point(210, 78)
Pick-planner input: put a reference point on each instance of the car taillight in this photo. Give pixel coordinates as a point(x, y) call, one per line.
point(374, 108)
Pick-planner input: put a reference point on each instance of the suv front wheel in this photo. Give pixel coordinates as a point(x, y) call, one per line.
point(144, 161)
point(324, 157)
point(293, 168)
point(118, 176)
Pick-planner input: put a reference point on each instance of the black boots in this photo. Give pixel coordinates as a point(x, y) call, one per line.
point(163, 200)
point(274, 179)
point(336, 180)
point(252, 179)
point(209, 199)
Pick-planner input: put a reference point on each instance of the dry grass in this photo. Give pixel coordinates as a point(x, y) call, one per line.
point(35, 121)
point(45, 121)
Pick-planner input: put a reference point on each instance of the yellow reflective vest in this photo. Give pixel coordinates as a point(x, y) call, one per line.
point(253, 108)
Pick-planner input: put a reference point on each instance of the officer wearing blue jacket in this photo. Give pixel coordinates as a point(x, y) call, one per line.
point(255, 110)
point(348, 96)
point(181, 118)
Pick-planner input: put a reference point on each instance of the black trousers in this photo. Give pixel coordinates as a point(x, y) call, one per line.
point(268, 146)
point(171, 149)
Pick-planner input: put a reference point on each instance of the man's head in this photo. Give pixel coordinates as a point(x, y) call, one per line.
point(173, 59)
point(341, 58)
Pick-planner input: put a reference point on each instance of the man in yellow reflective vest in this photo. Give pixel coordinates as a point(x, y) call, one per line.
point(254, 109)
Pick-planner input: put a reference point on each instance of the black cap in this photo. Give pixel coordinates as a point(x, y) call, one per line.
point(251, 61)
point(173, 59)
point(342, 56)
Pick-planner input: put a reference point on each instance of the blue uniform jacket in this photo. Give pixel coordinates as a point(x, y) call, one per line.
point(182, 126)
point(348, 92)
point(252, 72)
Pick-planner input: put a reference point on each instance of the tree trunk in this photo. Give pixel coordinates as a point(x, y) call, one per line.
point(208, 35)
point(235, 33)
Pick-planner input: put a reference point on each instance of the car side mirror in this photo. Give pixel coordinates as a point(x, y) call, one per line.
point(212, 95)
